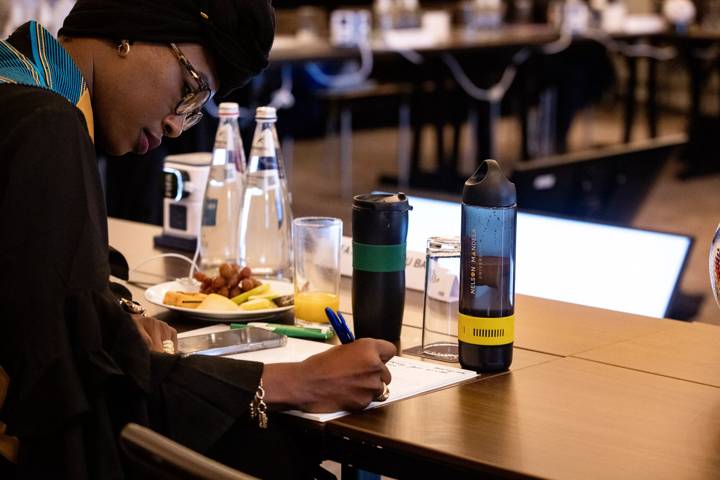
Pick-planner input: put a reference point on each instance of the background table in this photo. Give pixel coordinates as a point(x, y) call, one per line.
point(288, 50)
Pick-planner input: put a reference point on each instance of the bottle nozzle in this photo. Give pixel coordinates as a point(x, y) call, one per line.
point(489, 187)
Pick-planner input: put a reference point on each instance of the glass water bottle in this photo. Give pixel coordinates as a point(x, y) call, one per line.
point(223, 194)
point(265, 225)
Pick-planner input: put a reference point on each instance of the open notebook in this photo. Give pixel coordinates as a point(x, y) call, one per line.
point(409, 377)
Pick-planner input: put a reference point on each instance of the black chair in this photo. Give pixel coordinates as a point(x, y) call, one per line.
point(149, 455)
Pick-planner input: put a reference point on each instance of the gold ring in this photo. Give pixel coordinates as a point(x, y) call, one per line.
point(384, 395)
point(168, 347)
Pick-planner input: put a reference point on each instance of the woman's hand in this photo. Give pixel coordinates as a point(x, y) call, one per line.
point(346, 377)
point(154, 332)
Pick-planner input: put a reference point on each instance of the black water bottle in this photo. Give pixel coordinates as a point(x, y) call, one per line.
point(486, 322)
point(379, 232)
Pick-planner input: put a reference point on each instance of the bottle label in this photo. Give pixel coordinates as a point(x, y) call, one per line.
point(486, 331)
point(263, 144)
point(223, 138)
point(209, 218)
point(379, 258)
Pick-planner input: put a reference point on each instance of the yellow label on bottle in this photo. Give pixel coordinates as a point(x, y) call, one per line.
point(486, 331)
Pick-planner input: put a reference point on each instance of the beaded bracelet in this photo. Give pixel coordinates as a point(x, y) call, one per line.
point(258, 407)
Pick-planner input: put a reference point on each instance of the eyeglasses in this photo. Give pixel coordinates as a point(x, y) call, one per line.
point(193, 98)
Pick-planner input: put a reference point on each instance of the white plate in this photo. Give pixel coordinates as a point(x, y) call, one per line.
point(155, 294)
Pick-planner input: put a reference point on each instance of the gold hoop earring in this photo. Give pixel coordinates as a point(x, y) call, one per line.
point(123, 48)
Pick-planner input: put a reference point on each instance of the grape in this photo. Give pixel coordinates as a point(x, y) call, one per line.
point(226, 270)
point(231, 281)
point(245, 273)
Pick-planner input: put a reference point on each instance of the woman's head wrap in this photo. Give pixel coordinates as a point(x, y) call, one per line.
point(238, 33)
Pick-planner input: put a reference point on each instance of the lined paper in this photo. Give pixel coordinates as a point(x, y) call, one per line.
point(410, 377)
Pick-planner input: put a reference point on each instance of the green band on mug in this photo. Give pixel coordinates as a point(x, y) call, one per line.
point(379, 258)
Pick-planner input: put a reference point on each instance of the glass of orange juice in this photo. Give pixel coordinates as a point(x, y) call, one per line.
point(316, 249)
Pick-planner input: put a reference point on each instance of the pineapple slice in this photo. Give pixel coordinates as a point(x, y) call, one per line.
point(257, 304)
point(217, 302)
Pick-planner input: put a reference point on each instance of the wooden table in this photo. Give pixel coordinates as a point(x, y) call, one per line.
point(592, 394)
point(544, 326)
point(686, 351)
point(563, 419)
point(289, 50)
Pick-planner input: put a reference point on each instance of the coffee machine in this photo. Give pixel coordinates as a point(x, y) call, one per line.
point(184, 179)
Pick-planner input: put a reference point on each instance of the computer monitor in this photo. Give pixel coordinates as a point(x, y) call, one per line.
point(617, 268)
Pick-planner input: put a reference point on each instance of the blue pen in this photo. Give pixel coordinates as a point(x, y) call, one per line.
point(339, 325)
point(348, 333)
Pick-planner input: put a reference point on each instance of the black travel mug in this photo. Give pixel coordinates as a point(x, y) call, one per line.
point(379, 229)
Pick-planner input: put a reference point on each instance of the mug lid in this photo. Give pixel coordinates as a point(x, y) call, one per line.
point(382, 201)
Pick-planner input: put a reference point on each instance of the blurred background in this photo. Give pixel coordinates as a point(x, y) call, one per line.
point(601, 110)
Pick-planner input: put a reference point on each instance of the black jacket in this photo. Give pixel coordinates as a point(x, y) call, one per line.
point(78, 368)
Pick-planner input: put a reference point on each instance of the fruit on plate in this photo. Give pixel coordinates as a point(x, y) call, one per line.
point(217, 302)
point(184, 299)
point(258, 304)
point(231, 281)
point(244, 297)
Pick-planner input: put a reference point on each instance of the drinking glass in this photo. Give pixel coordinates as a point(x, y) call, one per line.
point(316, 245)
point(440, 305)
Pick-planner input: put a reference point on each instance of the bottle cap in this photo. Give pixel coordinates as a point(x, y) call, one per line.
point(229, 109)
point(384, 201)
point(266, 113)
point(489, 187)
